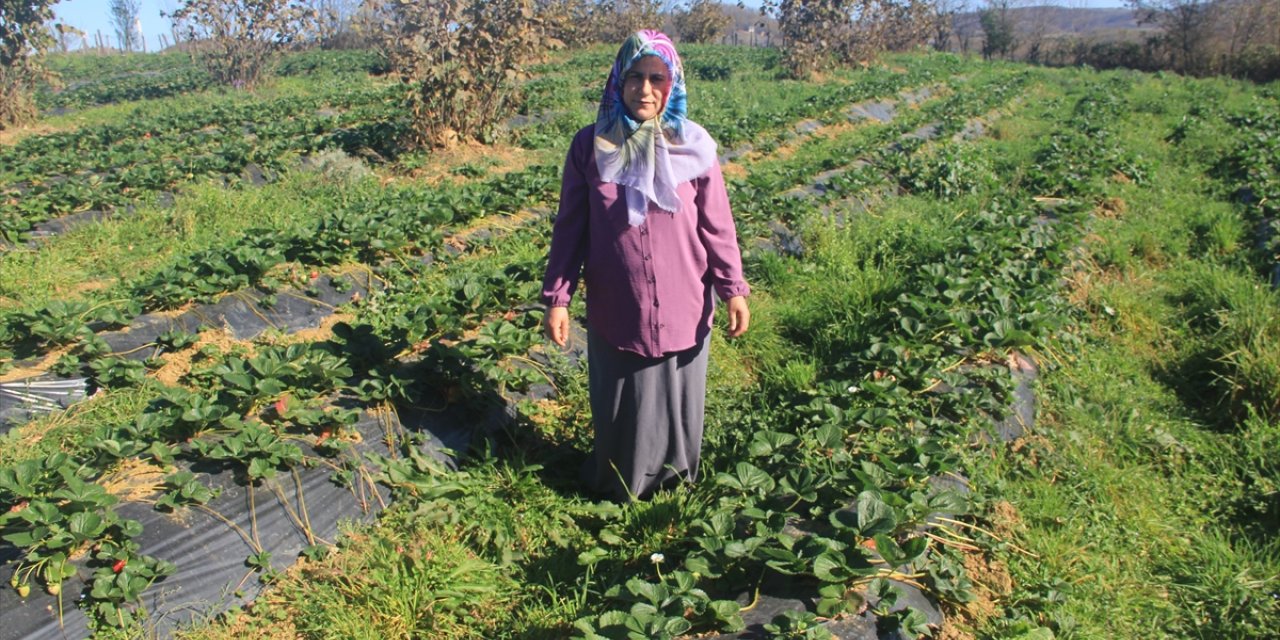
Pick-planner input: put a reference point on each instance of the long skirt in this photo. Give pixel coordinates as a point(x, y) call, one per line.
point(648, 418)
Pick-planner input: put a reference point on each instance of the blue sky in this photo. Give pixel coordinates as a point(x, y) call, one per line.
point(93, 15)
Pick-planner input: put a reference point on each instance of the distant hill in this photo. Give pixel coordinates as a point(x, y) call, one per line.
point(1052, 20)
point(1079, 21)
point(1047, 20)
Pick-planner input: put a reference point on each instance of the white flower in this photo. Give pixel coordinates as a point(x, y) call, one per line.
point(657, 558)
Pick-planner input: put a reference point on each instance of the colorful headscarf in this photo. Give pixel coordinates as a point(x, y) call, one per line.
point(649, 159)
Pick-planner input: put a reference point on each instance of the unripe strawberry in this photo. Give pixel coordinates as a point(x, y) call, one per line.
point(24, 590)
point(54, 588)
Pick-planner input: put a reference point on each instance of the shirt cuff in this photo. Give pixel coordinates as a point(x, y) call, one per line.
point(556, 301)
point(731, 290)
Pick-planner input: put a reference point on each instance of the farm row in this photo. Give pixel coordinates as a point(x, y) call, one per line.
point(899, 256)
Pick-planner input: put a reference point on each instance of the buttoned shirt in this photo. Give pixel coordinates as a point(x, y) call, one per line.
point(649, 288)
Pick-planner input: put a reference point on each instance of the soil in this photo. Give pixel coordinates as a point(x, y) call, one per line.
point(950, 631)
point(14, 136)
point(1006, 522)
point(1111, 208)
point(734, 170)
point(992, 584)
point(178, 364)
point(510, 222)
point(45, 364)
point(493, 160)
point(134, 480)
point(75, 291)
point(315, 334)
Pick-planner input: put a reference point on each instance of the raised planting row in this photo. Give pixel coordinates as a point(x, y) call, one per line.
point(872, 322)
point(803, 454)
point(227, 268)
point(680, 599)
point(1161, 406)
point(838, 167)
point(487, 341)
point(89, 80)
point(378, 225)
point(110, 166)
point(254, 406)
point(991, 286)
point(235, 267)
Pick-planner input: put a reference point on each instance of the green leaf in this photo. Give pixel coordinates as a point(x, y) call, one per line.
point(592, 556)
point(645, 590)
point(261, 468)
point(677, 626)
point(86, 524)
point(1039, 633)
point(830, 567)
point(874, 516)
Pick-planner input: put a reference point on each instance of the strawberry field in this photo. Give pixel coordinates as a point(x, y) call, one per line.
point(1014, 370)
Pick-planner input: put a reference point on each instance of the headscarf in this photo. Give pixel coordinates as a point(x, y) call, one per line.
point(649, 159)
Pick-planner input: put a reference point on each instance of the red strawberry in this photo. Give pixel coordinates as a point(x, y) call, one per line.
point(119, 565)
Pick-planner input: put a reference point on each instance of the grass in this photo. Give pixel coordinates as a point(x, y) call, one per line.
point(1130, 490)
point(88, 261)
point(1143, 504)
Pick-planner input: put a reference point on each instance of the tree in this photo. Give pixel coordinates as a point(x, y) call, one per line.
point(998, 29)
point(567, 22)
point(124, 17)
point(237, 40)
point(23, 40)
point(617, 19)
point(822, 33)
point(1186, 26)
point(460, 60)
point(333, 20)
point(701, 21)
point(944, 23)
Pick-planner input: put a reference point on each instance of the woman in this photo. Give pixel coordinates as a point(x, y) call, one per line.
point(645, 218)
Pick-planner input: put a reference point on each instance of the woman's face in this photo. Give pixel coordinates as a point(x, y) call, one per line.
point(645, 87)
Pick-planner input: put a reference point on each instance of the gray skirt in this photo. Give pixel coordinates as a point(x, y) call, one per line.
point(648, 418)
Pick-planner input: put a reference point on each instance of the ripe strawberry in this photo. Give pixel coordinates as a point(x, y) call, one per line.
point(119, 565)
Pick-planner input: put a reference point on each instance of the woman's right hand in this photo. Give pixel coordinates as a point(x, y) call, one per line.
point(556, 323)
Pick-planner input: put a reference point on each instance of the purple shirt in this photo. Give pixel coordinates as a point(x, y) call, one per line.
point(649, 287)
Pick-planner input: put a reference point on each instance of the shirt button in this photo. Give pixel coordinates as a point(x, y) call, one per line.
point(655, 302)
point(646, 256)
point(644, 232)
point(662, 326)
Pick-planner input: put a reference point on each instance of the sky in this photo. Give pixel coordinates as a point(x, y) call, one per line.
point(93, 16)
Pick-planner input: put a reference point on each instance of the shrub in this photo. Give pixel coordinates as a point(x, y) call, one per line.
point(23, 38)
point(460, 59)
point(238, 40)
point(703, 21)
point(823, 33)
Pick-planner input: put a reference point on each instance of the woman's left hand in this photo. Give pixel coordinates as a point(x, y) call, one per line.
point(739, 316)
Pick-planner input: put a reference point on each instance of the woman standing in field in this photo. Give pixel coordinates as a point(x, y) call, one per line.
point(644, 218)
